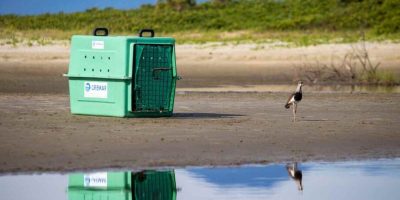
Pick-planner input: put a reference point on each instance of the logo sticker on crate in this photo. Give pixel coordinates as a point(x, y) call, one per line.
point(95, 89)
point(97, 44)
point(95, 179)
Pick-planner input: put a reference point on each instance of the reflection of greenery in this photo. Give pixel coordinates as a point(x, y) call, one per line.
point(302, 22)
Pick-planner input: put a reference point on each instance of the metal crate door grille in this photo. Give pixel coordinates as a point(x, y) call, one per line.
point(154, 78)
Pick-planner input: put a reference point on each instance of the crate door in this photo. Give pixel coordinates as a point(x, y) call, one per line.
point(153, 78)
point(153, 185)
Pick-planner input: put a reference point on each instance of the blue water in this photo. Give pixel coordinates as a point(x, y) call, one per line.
point(343, 180)
point(375, 179)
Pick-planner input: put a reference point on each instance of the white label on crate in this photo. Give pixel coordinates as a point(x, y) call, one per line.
point(95, 179)
point(97, 44)
point(95, 89)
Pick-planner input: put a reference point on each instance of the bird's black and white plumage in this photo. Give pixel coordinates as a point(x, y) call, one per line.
point(294, 99)
point(295, 174)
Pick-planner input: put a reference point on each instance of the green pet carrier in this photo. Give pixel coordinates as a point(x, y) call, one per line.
point(123, 76)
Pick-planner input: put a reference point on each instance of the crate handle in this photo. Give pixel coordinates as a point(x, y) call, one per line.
point(100, 29)
point(159, 69)
point(151, 31)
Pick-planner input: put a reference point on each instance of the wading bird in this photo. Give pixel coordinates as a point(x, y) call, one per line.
point(294, 99)
point(295, 174)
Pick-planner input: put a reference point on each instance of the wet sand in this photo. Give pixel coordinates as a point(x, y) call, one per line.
point(38, 133)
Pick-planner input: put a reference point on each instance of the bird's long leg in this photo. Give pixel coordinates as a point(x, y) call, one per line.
point(294, 112)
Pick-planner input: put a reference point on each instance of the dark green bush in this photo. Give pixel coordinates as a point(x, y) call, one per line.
point(380, 16)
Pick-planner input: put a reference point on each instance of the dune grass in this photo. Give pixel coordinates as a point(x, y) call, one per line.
point(298, 22)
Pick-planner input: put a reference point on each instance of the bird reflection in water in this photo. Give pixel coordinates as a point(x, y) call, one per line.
point(295, 174)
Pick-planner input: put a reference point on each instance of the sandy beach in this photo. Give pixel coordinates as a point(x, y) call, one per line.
point(33, 69)
point(209, 127)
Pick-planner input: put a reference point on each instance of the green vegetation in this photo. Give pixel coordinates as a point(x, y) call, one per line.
point(302, 22)
point(380, 78)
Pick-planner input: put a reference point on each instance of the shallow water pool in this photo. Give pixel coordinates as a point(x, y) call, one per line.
point(372, 179)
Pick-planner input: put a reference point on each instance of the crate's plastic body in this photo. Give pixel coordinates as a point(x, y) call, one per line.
point(122, 76)
point(97, 186)
point(122, 186)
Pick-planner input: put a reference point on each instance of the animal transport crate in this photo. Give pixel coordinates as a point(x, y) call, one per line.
point(122, 185)
point(123, 76)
